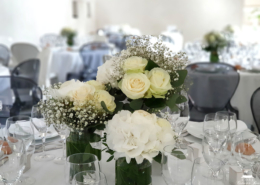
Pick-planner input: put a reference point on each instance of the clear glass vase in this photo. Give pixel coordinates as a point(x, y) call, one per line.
point(133, 173)
point(214, 57)
point(86, 141)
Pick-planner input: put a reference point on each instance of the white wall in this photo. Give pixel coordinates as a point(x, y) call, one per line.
point(193, 17)
point(28, 20)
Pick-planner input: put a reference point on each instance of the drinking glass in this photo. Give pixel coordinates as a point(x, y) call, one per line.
point(80, 162)
point(89, 177)
point(13, 161)
point(246, 150)
point(170, 115)
point(258, 175)
point(21, 128)
point(177, 164)
point(62, 131)
point(229, 117)
point(41, 126)
point(201, 173)
point(209, 124)
point(211, 157)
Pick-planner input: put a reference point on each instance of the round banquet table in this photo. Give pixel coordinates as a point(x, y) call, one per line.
point(248, 83)
point(64, 62)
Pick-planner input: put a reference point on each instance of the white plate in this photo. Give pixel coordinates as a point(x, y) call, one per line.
point(196, 128)
point(48, 140)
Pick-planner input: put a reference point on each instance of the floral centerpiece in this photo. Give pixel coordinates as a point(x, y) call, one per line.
point(134, 139)
point(78, 105)
point(147, 76)
point(69, 34)
point(214, 41)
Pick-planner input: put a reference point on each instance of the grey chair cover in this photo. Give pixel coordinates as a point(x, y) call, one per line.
point(92, 57)
point(4, 55)
point(17, 95)
point(28, 69)
point(213, 85)
point(255, 107)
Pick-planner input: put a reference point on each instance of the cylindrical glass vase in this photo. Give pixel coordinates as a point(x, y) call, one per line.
point(86, 141)
point(214, 58)
point(133, 173)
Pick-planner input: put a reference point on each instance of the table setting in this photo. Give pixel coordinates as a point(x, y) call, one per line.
point(130, 126)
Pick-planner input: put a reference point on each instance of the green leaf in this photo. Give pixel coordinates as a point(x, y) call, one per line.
point(181, 99)
point(178, 154)
point(119, 106)
point(94, 137)
point(158, 158)
point(100, 126)
point(181, 78)
point(171, 102)
point(110, 158)
point(105, 107)
point(150, 65)
point(120, 97)
point(157, 103)
point(136, 104)
point(127, 107)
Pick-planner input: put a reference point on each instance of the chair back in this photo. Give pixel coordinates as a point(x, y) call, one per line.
point(255, 107)
point(28, 69)
point(4, 55)
point(52, 40)
point(213, 85)
point(92, 57)
point(24, 51)
point(17, 95)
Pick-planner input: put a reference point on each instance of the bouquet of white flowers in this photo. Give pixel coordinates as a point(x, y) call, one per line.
point(147, 75)
point(134, 139)
point(78, 105)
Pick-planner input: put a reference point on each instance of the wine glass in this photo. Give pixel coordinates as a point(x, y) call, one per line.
point(62, 131)
point(41, 126)
point(21, 128)
point(258, 175)
point(89, 177)
point(201, 173)
point(177, 163)
point(170, 115)
point(229, 117)
point(13, 161)
point(246, 150)
point(211, 157)
point(209, 124)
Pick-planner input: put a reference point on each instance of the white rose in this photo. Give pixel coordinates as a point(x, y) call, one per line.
point(160, 82)
point(163, 123)
point(96, 84)
point(134, 64)
point(134, 85)
point(102, 95)
point(82, 93)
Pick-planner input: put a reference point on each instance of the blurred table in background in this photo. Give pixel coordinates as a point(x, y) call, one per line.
point(64, 62)
point(248, 83)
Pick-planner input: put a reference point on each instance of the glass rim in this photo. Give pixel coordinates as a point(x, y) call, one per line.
point(67, 160)
point(19, 116)
point(174, 145)
point(102, 175)
point(226, 112)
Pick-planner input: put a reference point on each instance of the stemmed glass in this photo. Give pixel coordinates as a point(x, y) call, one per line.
point(246, 150)
point(209, 124)
point(62, 131)
point(229, 117)
point(89, 177)
point(21, 128)
point(41, 126)
point(177, 164)
point(200, 172)
point(13, 161)
point(209, 154)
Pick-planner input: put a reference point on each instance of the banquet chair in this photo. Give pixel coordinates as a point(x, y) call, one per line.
point(52, 40)
point(255, 107)
point(4, 55)
point(17, 95)
point(92, 57)
point(28, 69)
point(24, 51)
point(212, 87)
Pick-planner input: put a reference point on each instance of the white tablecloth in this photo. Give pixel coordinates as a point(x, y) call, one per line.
point(64, 62)
point(53, 174)
point(249, 82)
